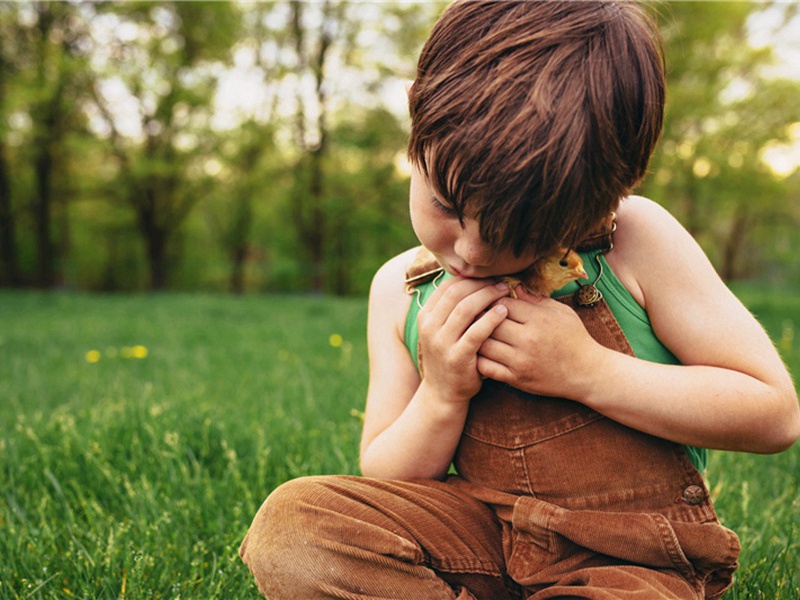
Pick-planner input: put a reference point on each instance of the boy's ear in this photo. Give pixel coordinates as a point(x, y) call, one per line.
point(408, 85)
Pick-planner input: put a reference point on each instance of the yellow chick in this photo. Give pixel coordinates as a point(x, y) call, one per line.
point(548, 274)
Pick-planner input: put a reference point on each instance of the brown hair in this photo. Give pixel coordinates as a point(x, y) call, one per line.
point(537, 117)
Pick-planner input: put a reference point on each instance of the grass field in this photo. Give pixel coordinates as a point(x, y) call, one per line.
point(139, 434)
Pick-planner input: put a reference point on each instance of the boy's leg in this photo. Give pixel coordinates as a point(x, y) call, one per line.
point(622, 582)
point(351, 537)
point(607, 555)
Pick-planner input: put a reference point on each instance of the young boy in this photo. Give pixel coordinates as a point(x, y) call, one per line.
point(577, 425)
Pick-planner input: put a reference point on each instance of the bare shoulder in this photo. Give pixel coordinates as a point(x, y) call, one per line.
point(690, 308)
point(640, 218)
point(388, 300)
point(652, 249)
point(391, 275)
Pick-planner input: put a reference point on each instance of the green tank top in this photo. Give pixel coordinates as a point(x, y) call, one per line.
point(632, 319)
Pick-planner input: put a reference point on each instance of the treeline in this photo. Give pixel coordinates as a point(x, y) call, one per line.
point(260, 147)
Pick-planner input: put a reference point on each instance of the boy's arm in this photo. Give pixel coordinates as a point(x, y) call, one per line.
point(731, 391)
point(412, 427)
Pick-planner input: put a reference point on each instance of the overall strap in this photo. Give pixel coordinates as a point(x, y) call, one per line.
point(602, 238)
point(424, 269)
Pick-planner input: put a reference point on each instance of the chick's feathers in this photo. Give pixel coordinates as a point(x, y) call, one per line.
point(548, 274)
point(542, 278)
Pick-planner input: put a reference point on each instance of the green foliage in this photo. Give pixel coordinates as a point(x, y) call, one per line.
point(137, 475)
point(723, 112)
point(249, 147)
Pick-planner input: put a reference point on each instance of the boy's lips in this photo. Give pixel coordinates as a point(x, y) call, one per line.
point(465, 273)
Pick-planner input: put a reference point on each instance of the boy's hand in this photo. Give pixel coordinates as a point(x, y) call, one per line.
point(541, 348)
point(452, 326)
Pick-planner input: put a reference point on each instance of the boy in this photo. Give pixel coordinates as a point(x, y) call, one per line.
point(577, 426)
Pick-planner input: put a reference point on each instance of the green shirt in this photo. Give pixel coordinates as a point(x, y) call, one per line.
point(632, 319)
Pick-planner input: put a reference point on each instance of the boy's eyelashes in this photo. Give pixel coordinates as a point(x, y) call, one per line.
point(443, 208)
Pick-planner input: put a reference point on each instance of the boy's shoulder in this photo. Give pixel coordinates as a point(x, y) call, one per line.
point(388, 298)
point(649, 243)
point(643, 212)
point(390, 277)
point(644, 226)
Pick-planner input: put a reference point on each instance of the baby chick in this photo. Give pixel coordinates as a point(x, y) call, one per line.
point(548, 274)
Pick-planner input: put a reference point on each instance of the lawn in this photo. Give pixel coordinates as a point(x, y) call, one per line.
point(140, 433)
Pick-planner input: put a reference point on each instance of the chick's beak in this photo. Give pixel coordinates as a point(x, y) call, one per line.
point(581, 273)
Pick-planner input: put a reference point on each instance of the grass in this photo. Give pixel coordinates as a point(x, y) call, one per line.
point(136, 476)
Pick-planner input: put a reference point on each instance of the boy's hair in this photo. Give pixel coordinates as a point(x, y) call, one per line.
point(537, 117)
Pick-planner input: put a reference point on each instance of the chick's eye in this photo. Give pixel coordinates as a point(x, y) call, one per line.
point(563, 262)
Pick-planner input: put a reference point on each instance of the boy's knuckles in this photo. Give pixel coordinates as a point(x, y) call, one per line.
point(424, 324)
point(463, 310)
point(453, 292)
point(473, 337)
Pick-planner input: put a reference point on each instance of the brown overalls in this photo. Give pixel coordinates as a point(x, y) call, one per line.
point(552, 500)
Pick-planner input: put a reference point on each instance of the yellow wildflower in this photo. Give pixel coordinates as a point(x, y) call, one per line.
point(92, 356)
point(335, 340)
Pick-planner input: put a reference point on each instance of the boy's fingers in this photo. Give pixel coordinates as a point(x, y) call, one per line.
point(470, 309)
point(453, 292)
point(482, 328)
point(491, 369)
point(518, 310)
point(496, 350)
point(508, 331)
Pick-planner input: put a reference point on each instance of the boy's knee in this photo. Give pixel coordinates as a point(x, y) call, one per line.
point(283, 519)
point(281, 544)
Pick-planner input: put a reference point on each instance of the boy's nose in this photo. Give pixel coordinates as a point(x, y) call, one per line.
point(471, 248)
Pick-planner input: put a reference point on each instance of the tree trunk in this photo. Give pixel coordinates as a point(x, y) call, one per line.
point(9, 266)
point(692, 221)
point(157, 260)
point(315, 234)
point(48, 115)
point(309, 209)
point(155, 237)
point(238, 256)
point(45, 265)
point(732, 253)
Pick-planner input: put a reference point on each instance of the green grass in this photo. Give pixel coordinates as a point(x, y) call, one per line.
point(138, 477)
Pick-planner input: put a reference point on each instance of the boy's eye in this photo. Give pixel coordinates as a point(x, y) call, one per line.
point(443, 208)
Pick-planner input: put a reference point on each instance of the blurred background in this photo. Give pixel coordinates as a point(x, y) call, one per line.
point(257, 147)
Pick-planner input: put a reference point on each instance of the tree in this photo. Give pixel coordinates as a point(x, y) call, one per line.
point(9, 265)
point(368, 208)
point(338, 57)
point(723, 111)
point(44, 67)
point(164, 61)
point(248, 160)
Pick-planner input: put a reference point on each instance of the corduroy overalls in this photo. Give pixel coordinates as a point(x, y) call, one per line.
point(552, 500)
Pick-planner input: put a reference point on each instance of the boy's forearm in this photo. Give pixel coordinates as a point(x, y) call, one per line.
point(420, 444)
point(702, 406)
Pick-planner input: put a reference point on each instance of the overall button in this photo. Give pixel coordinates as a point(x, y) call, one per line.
point(694, 495)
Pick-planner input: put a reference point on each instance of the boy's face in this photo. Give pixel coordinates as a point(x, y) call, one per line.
point(458, 248)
